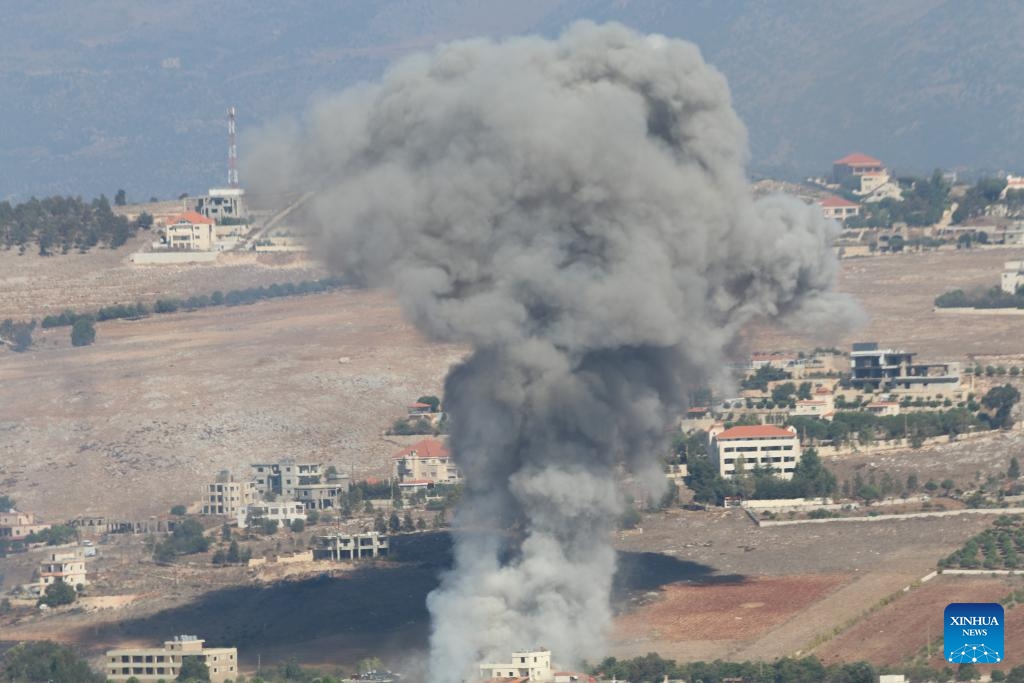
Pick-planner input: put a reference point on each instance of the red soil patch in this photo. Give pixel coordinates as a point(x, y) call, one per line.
point(898, 631)
point(731, 611)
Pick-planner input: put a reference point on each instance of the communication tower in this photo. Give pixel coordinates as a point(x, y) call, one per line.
point(232, 150)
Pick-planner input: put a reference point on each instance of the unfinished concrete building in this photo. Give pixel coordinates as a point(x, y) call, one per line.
point(67, 567)
point(223, 205)
point(528, 665)
point(155, 664)
point(339, 547)
point(228, 497)
point(891, 370)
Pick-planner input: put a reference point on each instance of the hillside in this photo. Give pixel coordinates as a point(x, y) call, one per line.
point(114, 94)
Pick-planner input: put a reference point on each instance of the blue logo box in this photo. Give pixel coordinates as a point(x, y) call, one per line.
point(973, 633)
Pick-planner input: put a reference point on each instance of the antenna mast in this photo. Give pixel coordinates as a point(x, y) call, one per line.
point(232, 150)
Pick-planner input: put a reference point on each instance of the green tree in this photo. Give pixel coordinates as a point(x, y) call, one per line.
point(298, 525)
point(83, 332)
point(120, 198)
point(268, 526)
point(58, 593)
point(1001, 400)
point(1014, 471)
point(219, 557)
point(179, 510)
point(947, 486)
point(313, 516)
point(233, 556)
point(407, 523)
point(44, 661)
point(193, 669)
point(6, 503)
point(394, 523)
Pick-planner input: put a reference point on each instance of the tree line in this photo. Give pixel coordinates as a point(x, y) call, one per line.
point(59, 224)
point(234, 297)
point(993, 297)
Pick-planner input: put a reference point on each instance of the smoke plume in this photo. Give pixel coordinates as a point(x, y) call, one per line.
point(576, 210)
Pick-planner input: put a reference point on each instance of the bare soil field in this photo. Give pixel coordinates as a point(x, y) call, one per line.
point(734, 611)
point(896, 632)
point(897, 294)
point(139, 420)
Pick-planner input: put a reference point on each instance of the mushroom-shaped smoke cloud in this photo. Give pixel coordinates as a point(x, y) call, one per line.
point(577, 211)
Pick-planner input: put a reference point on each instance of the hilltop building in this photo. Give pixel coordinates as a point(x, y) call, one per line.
point(855, 164)
point(426, 462)
point(741, 449)
point(223, 205)
point(1014, 183)
point(15, 526)
point(190, 231)
point(530, 665)
point(155, 663)
point(339, 547)
point(892, 370)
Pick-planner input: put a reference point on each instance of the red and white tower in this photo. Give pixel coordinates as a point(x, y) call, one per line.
point(232, 150)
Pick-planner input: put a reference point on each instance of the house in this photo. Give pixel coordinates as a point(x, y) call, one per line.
point(838, 208)
point(855, 164)
point(529, 665)
point(339, 547)
point(284, 477)
point(15, 526)
point(67, 567)
point(893, 370)
point(426, 460)
point(154, 663)
point(191, 231)
point(283, 513)
point(741, 449)
point(228, 497)
point(821, 405)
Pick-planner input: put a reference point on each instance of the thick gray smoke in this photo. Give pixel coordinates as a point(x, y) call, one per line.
point(577, 211)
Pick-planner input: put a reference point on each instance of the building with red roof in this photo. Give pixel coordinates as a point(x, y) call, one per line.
point(426, 462)
point(838, 208)
point(191, 231)
point(740, 449)
point(855, 164)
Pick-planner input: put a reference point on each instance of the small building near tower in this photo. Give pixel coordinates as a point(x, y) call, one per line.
point(223, 205)
point(528, 665)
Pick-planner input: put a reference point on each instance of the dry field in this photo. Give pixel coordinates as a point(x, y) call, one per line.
point(897, 294)
point(896, 632)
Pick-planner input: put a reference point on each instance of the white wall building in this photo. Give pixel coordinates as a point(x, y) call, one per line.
point(1013, 276)
point(534, 665)
point(284, 512)
point(190, 231)
point(68, 567)
point(741, 449)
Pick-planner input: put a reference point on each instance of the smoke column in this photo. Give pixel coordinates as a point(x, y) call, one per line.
point(575, 210)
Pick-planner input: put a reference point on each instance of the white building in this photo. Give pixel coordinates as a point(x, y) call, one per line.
point(1013, 276)
point(284, 512)
point(838, 208)
point(741, 449)
point(534, 665)
point(339, 547)
point(426, 462)
point(1013, 183)
point(821, 405)
point(223, 204)
point(227, 497)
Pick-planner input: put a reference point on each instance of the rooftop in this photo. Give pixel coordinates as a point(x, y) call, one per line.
point(426, 448)
point(858, 159)
point(836, 202)
point(755, 432)
point(190, 217)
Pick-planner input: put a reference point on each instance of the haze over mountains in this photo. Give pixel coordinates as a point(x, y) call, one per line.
point(110, 93)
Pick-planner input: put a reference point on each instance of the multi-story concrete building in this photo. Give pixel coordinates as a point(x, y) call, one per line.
point(892, 370)
point(156, 663)
point(320, 496)
point(531, 665)
point(282, 478)
point(740, 449)
point(228, 497)
point(427, 461)
point(1013, 276)
point(15, 526)
point(284, 512)
point(223, 204)
point(191, 231)
point(67, 566)
point(351, 546)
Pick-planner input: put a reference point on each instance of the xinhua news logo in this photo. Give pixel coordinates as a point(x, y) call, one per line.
point(973, 633)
